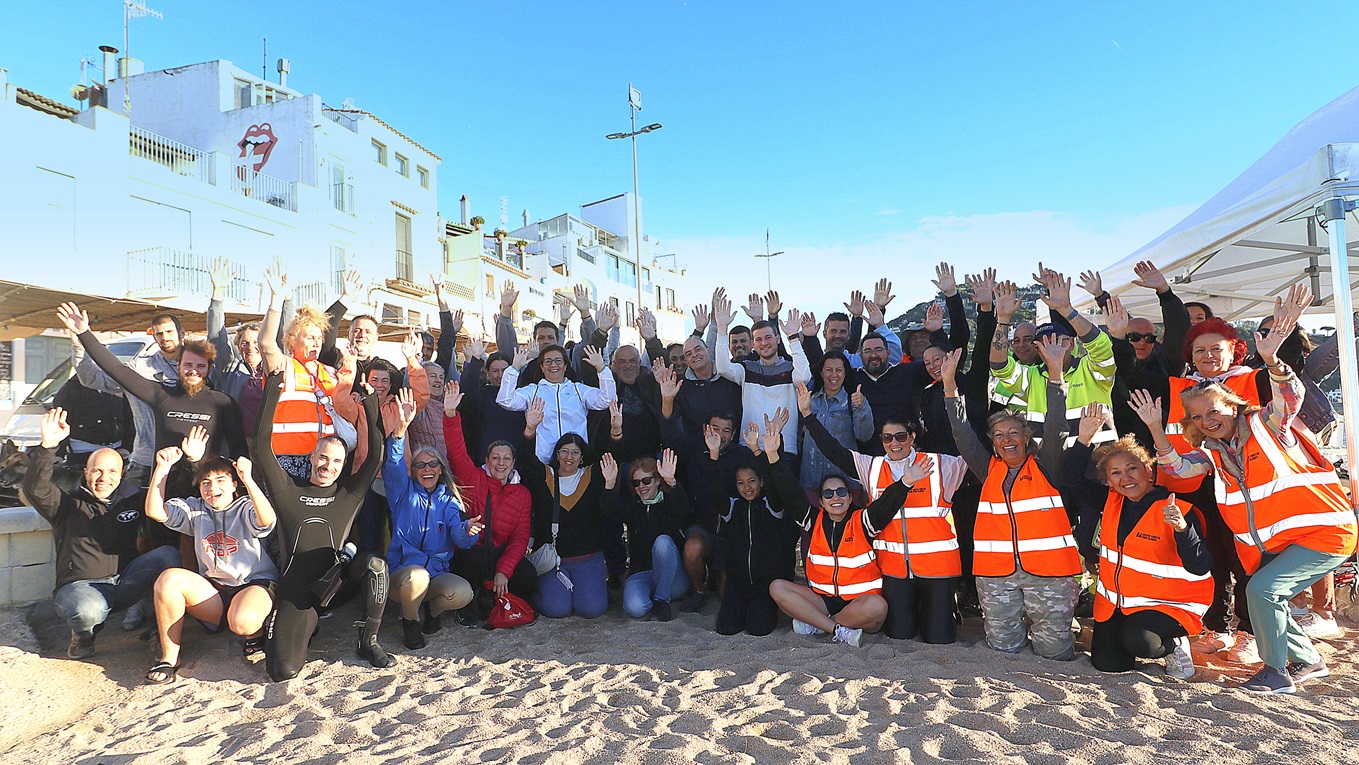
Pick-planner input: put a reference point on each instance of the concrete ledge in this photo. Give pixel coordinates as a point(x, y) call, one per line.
point(17, 520)
point(27, 557)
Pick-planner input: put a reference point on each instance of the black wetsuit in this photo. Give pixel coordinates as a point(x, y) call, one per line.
point(313, 523)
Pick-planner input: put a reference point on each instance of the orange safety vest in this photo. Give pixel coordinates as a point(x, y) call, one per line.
point(1145, 573)
point(851, 570)
point(1028, 530)
point(921, 540)
point(301, 419)
point(1243, 385)
point(1284, 501)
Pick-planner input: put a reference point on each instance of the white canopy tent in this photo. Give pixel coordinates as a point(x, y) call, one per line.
point(1280, 222)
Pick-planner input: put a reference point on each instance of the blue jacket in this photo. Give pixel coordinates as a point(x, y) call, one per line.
point(425, 525)
point(848, 424)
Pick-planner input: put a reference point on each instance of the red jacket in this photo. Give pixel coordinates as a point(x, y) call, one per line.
point(511, 504)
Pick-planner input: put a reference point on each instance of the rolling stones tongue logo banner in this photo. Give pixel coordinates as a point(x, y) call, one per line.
point(257, 144)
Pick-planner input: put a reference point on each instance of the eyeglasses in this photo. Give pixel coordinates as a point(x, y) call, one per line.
point(423, 465)
point(553, 361)
point(837, 492)
point(901, 438)
point(643, 481)
point(1137, 337)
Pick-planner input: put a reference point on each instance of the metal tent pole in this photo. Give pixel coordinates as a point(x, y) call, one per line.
point(1333, 212)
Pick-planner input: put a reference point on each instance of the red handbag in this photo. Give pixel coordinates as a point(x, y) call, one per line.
point(510, 610)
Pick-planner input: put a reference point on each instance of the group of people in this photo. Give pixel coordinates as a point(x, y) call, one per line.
point(276, 472)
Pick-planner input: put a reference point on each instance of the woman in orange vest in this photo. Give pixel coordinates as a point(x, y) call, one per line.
point(1154, 569)
point(843, 595)
point(917, 547)
point(1025, 557)
point(1290, 518)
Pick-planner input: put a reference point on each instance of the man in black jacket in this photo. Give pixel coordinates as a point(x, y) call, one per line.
point(98, 566)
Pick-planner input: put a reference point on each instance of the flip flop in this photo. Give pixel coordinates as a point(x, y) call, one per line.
point(169, 671)
point(252, 647)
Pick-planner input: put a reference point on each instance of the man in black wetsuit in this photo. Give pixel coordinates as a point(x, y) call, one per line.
point(314, 518)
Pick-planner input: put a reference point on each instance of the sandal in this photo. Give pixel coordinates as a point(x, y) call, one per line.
point(252, 647)
point(169, 673)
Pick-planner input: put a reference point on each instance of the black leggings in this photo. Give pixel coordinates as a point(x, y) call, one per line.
point(1117, 644)
point(923, 606)
point(290, 627)
point(747, 607)
point(476, 565)
point(1229, 576)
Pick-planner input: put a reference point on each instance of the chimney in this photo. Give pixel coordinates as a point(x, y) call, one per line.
point(464, 204)
point(526, 216)
point(284, 66)
point(129, 67)
point(109, 62)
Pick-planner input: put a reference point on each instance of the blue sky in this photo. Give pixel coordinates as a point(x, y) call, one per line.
point(871, 138)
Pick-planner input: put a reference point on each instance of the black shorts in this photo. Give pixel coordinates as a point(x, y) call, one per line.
point(228, 592)
point(834, 605)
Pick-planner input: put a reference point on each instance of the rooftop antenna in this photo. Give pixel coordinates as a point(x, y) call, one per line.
point(132, 9)
point(264, 61)
point(505, 213)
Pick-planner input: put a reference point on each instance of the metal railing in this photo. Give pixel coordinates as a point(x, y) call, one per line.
point(588, 257)
point(342, 196)
point(168, 271)
point(343, 119)
point(405, 266)
point(265, 188)
point(181, 159)
point(311, 293)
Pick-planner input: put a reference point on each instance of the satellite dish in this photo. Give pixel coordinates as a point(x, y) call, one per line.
point(80, 92)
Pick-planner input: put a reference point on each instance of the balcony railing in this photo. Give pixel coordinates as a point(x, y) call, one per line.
point(265, 188)
point(156, 271)
point(180, 158)
point(343, 119)
point(311, 293)
point(405, 266)
point(342, 196)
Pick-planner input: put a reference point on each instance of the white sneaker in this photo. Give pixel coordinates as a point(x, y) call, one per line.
point(848, 636)
point(1314, 625)
point(1298, 613)
point(803, 628)
point(136, 614)
point(1213, 642)
point(1180, 662)
point(1244, 651)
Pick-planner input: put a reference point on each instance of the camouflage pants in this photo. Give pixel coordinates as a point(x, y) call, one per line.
point(1048, 601)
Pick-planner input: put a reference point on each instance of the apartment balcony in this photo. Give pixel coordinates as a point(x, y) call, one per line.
point(164, 272)
point(405, 265)
point(189, 162)
point(265, 188)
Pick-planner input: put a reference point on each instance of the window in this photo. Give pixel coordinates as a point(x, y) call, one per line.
point(243, 94)
point(405, 263)
point(646, 276)
point(612, 268)
point(628, 274)
point(380, 152)
point(424, 177)
point(339, 263)
point(669, 298)
point(632, 315)
point(403, 165)
point(490, 285)
point(341, 190)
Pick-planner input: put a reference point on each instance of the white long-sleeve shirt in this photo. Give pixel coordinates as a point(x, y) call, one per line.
point(766, 387)
point(567, 404)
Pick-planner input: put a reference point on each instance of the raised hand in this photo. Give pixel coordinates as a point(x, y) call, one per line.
point(934, 317)
point(475, 348)
point(563, 310)
point(666, 467)
point(437, 280)
point(606, 316)
point(1173, 515)
point(809, 326)
point(668, 381)
point(754, 307)
point(243, 466)
point(723, 314)
point(875, 316)
point(1053, 349)
point(615, 419)
point(195, 444)
point(54, 429)
point(276, 277)
point(772, 304)
point(702, 315)
point(405, 403)
point(532, 349)
point(521, 359)
point(410, 346)
point(457, 322)
point(855, 306)
point(1150, 276)
point(804, 399)
point(780, 417)
point(1007, 301)
point(945, 280)
point(452, 397)
point(581, 300)
point(773, 435)
point(1286, 313)
point(608, 468)
point(856, 399)
point(948, 372)
point(983, 287)
point(1058, 296)
point(1092, 282)
point(533, 416)
point(1147, 409)
point(882, 292)
point(794, 325)
point(751, 436)
point(646, 323)
point(75, 320)
point(167, 457)
point(594, 358)
point(1093, 418)
point(352, 289)
point(220, 274)
point(917, 471)
point(508, 296)
point(1117, 318)
point(712, 439)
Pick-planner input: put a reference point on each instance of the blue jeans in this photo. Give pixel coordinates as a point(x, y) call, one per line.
point(85, 603)
point(665, 579)
point(588, 599)
point(1277, 636)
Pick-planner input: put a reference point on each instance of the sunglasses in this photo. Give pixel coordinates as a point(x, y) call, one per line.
point(643, 481)
point(1137, 337)
point(423, 465)
point(900, 438)
point(838, 492)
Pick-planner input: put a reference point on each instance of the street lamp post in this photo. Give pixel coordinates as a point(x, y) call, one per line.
point(634, 106)
point(769, 257)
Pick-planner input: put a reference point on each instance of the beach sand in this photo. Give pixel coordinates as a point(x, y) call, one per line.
point(615, 690)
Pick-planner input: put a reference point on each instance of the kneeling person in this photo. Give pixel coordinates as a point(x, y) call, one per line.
point(656, 518)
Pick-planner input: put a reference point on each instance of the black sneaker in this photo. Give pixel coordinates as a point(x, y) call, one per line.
point(429, 622)
point(969, 605)
point(464, 617)
point(1085, 604)
point(693, 603)
point(414, 638)
point(660, 611)
point(1269, 680)
point(373, 652)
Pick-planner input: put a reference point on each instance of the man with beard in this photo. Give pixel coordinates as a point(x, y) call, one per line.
point(893, 390)
point(767, 380)
point(634, 429)
point(176, 410)
point(157, 363)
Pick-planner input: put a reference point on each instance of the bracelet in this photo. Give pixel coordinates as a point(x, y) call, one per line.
point(1074, 313)
point(1002, 324)
point(948, 392)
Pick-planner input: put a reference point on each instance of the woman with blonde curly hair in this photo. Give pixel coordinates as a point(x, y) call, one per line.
point(1288, 514)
